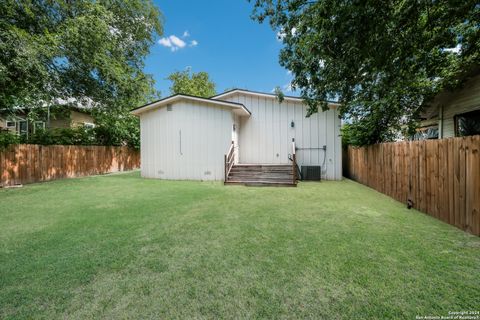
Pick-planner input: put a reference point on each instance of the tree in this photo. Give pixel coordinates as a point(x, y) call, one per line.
point(195, 84)
point(381, 60)
point(118, 129)
point(279, 93)
point(85, 49)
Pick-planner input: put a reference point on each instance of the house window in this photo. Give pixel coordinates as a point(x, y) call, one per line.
point(467, 124)
point(23, 127)
point(11, 124)
point(89, 125)
point(426, 133)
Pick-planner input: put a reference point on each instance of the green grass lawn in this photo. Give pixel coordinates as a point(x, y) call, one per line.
point(121, 246)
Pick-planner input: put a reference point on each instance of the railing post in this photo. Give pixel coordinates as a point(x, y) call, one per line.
point(294, 169)
point(294, 161)
point(225, 166)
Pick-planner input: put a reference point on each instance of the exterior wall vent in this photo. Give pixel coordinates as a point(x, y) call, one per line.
point(169, 107)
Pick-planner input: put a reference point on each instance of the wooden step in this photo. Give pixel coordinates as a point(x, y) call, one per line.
point(262, 168)
point(256, 166)
point(242, 173)
point(240, 179)
point(263, 171)
point(260, 171)
point(261, 175)
point(261, 183)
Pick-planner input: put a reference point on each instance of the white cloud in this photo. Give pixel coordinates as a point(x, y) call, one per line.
point(165, 42)
point(186, 34)
point(177, 41)
point(174, 43)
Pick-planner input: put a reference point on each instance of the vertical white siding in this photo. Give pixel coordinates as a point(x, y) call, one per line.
point(266, 136)
point(187, 143)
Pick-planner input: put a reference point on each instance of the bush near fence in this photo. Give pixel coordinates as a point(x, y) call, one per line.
point(439, 177)
point(25, 163)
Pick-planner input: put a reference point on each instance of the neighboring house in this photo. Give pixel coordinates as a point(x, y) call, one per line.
point(186, 138)
point(69, 117)
point(453, 113)
point(75, 118)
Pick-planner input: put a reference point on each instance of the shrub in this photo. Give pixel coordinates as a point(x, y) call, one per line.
point(111, 132)
point(7, 138)
point(63, 136)
point(117, 129)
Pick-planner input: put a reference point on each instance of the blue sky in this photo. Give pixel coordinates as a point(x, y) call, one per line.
point(219, 37)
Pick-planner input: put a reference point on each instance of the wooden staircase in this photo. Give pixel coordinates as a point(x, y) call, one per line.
point(275, 175)
point(261, 175)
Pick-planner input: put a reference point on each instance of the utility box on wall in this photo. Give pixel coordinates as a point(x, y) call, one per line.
point(311, 173)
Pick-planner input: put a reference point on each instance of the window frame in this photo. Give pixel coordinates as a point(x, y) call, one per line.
point(10, 121)
point(422, 132)
point(458, 115)
point(20, 131)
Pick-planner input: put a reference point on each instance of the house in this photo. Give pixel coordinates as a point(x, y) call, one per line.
point(192, 138)
point(453, 113)
point(66, 116)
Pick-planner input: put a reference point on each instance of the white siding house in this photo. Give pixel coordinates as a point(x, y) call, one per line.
point(266, 136)
point(186, 138)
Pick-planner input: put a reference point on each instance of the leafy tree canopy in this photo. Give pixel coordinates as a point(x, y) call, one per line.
point(381, 60)
point(84, 49)
point(195, 84)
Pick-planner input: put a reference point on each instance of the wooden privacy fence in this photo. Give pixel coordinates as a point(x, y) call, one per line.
point(21, 164)
point(439, 177)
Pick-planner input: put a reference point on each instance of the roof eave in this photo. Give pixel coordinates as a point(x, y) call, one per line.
point(177, 97)
point(332, 104)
